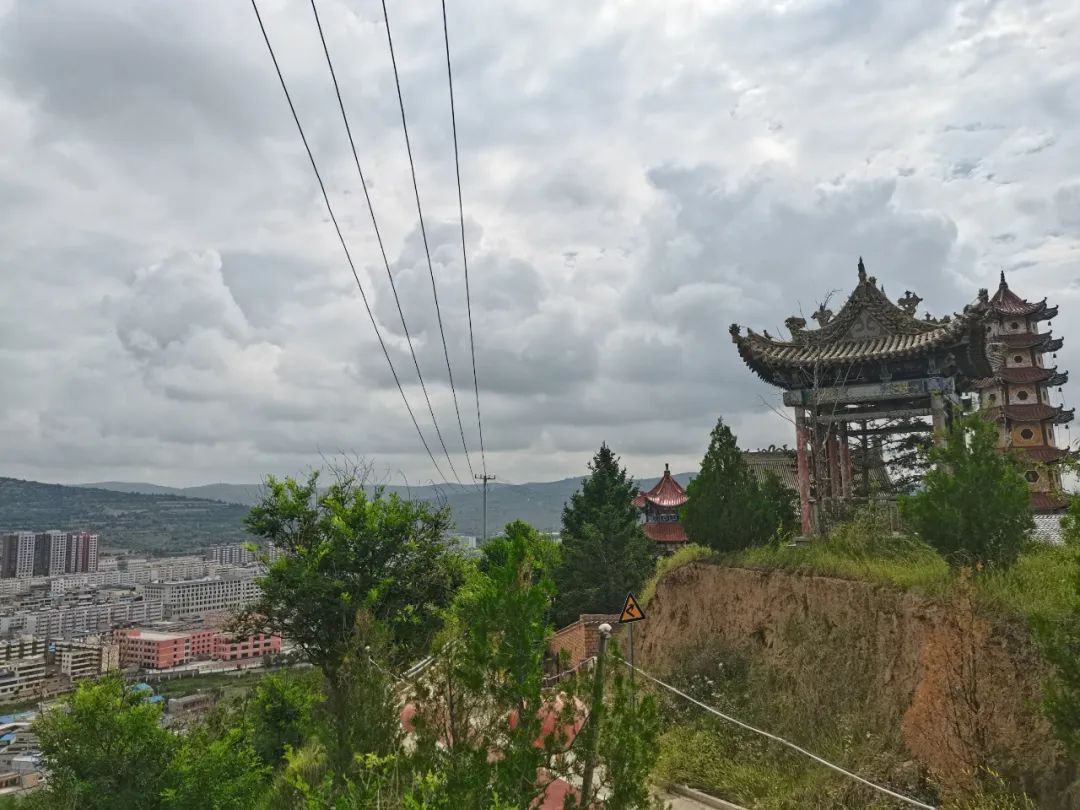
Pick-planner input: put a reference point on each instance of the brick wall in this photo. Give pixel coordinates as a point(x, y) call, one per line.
point(577, 642)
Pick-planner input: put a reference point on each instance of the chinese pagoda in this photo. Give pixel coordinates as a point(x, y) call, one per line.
point(660, 512)
point(1017, 395)
point(873, 369)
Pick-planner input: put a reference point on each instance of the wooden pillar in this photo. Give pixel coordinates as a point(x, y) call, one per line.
point(803, 464)
point(937, 412)
point(835, 481)
point(845, 462)
point(865, 459)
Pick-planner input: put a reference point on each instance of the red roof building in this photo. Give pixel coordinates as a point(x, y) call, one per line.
point(1018, 394)
point(660, 512)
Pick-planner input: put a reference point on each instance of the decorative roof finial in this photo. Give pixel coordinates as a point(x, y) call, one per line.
point(862, 270)
point(667, 468)
point(1004, 284)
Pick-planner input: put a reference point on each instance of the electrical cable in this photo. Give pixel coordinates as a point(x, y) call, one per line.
point(341, 239)
point(378, 238)
point(423, 234)
point(464, 256)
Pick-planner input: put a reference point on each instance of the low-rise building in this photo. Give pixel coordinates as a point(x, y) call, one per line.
point(157, 649)
point(20, 677)
point(201, 597)
point(229, 648)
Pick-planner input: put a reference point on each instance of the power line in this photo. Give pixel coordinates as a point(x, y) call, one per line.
point(378, 237)
point(423, 234)
point(341, 238)
point(781, 740)
point(464, 256)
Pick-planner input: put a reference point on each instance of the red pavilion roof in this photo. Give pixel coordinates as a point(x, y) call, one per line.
point(1019, 375)
point(1046, 502)
point(1031, 413)
point(1043, 341)
point(667, 493)
point(1006, 302)
point(1043, 455)
point(665, 532)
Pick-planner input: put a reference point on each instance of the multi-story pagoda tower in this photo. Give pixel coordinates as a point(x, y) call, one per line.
point(1017, 396)
point(660, 512)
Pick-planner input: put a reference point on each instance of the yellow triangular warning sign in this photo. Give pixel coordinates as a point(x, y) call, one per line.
point(631, 611)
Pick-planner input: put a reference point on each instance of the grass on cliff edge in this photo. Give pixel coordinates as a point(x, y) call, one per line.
point(1037, 585)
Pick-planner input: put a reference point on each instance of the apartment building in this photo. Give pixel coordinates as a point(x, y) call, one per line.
point(204, 596)
point(26, 554)
point(20, 677)
point(154, 649)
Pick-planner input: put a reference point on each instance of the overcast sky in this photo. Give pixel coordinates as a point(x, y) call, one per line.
point(636, 175)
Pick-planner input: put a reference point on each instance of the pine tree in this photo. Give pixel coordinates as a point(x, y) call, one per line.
point(604, 551)
point(728, 509)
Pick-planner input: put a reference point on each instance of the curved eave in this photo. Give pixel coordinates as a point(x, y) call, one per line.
point(766, 356)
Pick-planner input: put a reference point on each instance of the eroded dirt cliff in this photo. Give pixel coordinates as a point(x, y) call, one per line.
point(959, 688)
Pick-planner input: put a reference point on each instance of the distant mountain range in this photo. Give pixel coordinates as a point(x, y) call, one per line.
point(539, 504)
point(174, 520)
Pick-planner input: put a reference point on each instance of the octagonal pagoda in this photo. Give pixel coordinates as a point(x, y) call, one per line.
point(1017, 396)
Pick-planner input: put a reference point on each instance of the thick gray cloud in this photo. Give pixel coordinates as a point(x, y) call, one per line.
point(177, 308)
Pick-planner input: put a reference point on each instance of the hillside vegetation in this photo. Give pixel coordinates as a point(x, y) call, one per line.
point(164, 524)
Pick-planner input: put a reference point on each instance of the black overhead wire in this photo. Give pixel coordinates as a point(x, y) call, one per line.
point(464, 256)
point(341, 238)
point(423, 234)
point(378, 237)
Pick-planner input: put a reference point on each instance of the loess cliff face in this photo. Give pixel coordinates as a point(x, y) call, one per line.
point(959, 689)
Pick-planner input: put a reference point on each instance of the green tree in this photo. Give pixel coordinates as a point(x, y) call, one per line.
point(104, 747)
point(728, 509)
point(345, 552)
point(629, 743)
point(481, 715)
point(604, 551)
point(216, 773)
point(974, 506)
point(281, 711)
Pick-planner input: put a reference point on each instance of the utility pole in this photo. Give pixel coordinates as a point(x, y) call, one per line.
point(485, 478)
point(592, 728)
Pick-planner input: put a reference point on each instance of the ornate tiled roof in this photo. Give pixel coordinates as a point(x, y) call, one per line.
point(1046, 502)
point(1043, 455)
point(665, 532)
point(1038, 412)
point(868, 328)
point(1006, 302)
point(1043, 341)
point(1026, 375)
point(667, 493)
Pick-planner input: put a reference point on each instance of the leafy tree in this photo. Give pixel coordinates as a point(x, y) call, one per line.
point(728, 509)
point(281, 710)
point(209, 773)
point(604, 551)
point(629, 743)
point(104, 747)
point(345, 552)
point(974, 506)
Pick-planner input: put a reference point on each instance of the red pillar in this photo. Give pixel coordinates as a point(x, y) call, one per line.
point(801, 439)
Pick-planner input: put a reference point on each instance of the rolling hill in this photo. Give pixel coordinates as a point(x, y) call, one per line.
point(160, 522)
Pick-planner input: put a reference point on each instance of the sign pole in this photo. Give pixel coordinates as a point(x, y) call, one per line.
point(592, 727)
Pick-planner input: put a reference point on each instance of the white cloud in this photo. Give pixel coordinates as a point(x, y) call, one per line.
point(636, 177)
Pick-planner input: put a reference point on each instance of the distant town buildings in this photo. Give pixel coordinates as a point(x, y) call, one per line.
point(33, 554)
point(151, 649)
point(193, 598)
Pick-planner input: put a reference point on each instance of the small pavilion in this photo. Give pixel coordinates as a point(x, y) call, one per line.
point(873, 369)
point(660, 512)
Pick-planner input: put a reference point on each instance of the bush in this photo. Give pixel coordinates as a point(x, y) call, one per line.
point(974, 507)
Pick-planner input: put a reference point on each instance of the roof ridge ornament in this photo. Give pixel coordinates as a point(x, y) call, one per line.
point(862, 270)
point(1004, 285)
point(909, 302)
point(822, 315)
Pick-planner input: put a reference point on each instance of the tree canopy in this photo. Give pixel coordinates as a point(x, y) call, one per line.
point(974, 505)
point(728, 508)
point(604, 551)
point(346, 552)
